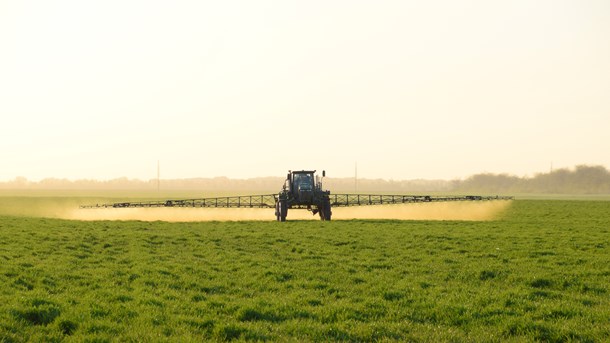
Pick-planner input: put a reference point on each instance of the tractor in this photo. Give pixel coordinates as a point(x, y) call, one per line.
point(303, 189)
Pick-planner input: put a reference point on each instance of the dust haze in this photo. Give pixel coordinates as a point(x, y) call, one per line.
point(467, 211)
point(464, 211)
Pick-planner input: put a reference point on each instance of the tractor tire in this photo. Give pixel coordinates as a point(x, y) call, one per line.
point(277, 211)
point(282, 210)
point(324, 208)
point(327, 210)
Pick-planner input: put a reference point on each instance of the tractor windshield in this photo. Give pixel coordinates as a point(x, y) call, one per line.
point(303, 181)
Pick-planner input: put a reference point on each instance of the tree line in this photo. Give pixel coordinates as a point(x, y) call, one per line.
point(581, 179)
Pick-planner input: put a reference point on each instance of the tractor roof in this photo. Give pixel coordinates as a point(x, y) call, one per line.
point(304, 172)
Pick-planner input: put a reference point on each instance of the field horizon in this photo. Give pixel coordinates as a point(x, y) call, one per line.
point(581, 180)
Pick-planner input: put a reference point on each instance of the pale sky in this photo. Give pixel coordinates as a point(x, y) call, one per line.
point(408, 89)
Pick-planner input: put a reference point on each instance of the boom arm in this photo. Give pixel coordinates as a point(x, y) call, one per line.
point(250, 201)
point(370, 199)
point(269, 201)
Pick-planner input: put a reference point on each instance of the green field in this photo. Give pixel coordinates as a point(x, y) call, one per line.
point(539, 273)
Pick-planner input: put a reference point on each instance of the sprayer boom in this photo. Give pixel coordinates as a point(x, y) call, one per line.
point(301, 190)
point(274, 201)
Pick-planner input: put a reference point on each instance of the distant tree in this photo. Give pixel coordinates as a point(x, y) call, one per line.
point(592, 179)
point(19, 182)
point(489, 183)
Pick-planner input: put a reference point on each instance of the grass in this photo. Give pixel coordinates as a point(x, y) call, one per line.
point(541, 273)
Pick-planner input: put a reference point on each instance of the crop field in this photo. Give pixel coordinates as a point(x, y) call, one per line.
point(539, 272)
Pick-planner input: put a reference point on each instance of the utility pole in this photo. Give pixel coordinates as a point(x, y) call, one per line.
point(356, 177)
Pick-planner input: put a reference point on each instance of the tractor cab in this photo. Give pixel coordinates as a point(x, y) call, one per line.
point(301, 185)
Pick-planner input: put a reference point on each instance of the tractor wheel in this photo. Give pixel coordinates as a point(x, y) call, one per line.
point(282, 210)
point(277, 211)
point(325, 212)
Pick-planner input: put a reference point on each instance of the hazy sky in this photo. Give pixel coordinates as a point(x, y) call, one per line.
point(408, 89)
